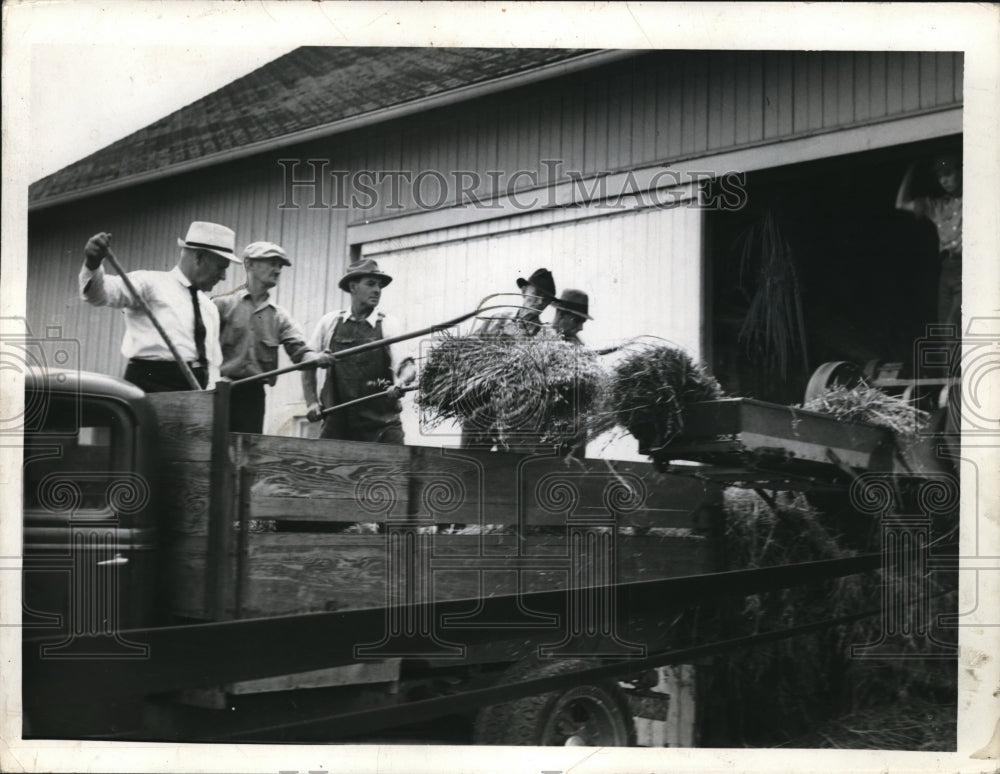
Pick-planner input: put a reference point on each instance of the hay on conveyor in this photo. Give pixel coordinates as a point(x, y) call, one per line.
point(650, 387)
point(864, 403)
point(539, 389)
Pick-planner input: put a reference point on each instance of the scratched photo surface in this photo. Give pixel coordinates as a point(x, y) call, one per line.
point(438, 399)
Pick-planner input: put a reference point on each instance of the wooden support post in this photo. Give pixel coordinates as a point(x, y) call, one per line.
point(220, 508)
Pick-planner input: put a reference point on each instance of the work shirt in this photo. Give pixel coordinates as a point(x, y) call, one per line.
point(380, 366)
point(168, 296)
point(551, 332)
point(507, 322)
point(946, 214)
point(251, 334)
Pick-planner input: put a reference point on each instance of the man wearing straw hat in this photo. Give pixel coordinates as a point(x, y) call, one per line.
point(171, 307)
point(252, 329)
point(381, 370)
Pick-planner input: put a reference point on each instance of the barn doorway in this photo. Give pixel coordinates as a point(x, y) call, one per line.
point(820, 266)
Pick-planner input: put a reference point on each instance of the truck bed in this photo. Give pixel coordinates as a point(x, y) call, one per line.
point(531, 522)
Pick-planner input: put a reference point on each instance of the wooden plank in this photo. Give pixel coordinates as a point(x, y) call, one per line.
point(814, 93)
point(911, 80)
point(830, 75)
point(183, 495)
point(183, 558)
point(959, 76)
point(299, 478)
point(184, 424)
point(945, 78)
point(299, 573)
point(699, 92)
point(928, 64)
point(862, 87)
point(878, 84)
point(352, 674)
point(750, 126)
point(645, 125)
point(846, 98)
point(478, 487)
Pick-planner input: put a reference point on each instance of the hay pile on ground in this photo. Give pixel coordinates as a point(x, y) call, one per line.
point(536, 390)
point(920, 726)
point(649, 389)
point(774, 693)
point(864, 403)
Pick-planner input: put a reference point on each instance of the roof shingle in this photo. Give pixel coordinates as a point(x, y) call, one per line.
point(305, 89)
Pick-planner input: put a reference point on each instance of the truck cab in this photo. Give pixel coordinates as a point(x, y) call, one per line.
point(90, 532)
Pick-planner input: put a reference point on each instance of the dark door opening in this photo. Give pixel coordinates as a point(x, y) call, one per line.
point(820, 266)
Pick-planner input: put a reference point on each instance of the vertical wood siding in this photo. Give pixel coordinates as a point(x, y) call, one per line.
point(651, 109)
point(651, 292)
point(668, 105)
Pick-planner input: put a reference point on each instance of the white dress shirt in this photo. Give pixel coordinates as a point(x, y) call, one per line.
point(168, 296)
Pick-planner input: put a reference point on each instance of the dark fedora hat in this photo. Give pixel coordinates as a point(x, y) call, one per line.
point(575, 302)
point(541, 279)
point(363, 268)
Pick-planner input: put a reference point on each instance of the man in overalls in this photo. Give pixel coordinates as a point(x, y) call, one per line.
point(377, 370)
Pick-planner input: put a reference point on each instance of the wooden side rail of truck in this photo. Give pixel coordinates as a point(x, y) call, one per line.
point(187, 583)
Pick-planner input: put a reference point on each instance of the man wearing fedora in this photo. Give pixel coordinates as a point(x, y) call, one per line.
point(572, 311)
point(387, 368)
point(176, 298)
point(252, 329)
point(537, 292)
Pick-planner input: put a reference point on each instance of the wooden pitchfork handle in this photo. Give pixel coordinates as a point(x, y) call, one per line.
point(364, 398)
point(185, 368)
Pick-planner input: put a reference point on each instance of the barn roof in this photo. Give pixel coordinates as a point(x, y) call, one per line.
point(307, 93)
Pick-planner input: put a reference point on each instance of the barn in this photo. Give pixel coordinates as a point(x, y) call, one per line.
point(739, 204)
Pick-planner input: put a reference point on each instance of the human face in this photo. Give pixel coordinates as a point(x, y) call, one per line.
point(209, 270)
point(365, 293)
point(264, 272)
point(533, 298)
point(567, 323)
point(950, 179)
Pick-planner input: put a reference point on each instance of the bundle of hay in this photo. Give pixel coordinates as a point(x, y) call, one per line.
point(863, 403)
point(775, 692)
point(536, 390)
point(649, 389)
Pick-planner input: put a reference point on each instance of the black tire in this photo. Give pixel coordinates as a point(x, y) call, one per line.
point(592, 714)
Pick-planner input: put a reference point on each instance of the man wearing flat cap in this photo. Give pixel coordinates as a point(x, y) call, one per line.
point(537, 292)
point(252, 329)
point(381, 369)
point(177, 300)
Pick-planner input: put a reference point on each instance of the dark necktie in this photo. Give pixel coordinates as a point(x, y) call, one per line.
point(199, 327)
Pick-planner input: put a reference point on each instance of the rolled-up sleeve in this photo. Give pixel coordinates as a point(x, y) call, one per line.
point(98, 289)
point(291, 336)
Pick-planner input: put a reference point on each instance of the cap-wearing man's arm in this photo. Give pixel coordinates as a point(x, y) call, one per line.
point(291, 336)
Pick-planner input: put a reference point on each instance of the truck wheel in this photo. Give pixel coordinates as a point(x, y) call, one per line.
point(590, 714)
